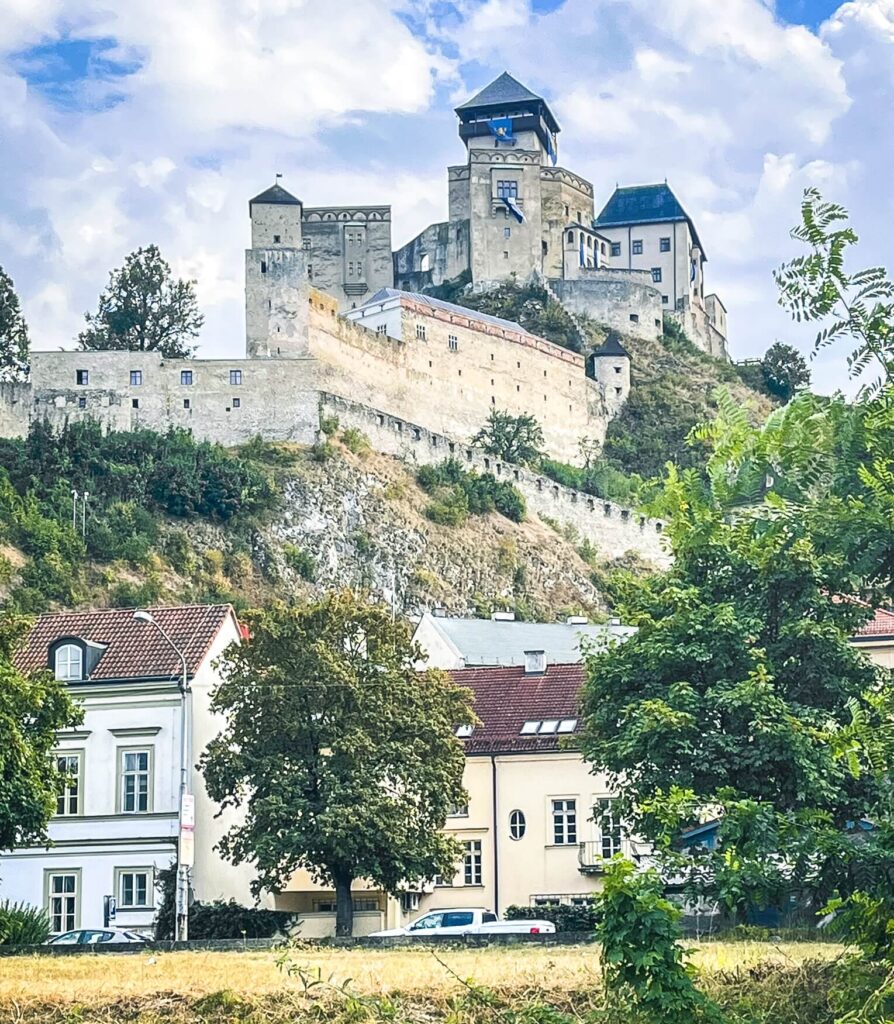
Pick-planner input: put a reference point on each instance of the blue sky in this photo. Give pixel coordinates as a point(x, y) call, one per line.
point(155, 122)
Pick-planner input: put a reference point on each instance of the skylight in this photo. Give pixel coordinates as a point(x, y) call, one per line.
point(549, 726)
point(464, 731)
point(568, 725)
point(529, 728)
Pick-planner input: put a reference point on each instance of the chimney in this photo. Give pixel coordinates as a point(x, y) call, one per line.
point(535, 663)
point(502, 617)
point(576, 620)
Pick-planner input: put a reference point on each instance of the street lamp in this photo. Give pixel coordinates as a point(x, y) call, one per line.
point(185, 849)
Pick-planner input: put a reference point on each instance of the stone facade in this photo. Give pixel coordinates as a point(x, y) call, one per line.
point(623, 300)
point(348, 250)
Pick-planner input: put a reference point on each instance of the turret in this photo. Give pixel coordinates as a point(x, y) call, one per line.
point(609, 366)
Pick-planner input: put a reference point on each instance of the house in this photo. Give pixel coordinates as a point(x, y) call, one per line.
point(527, 830)
point(876, 638)
point(116, 823)
point(453, 643)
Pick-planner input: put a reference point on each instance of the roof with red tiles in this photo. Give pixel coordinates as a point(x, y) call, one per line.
point(132, 649)
point(507, 698)
point(880, 626)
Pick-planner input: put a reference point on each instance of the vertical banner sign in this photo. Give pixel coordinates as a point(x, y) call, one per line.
point(187, 830)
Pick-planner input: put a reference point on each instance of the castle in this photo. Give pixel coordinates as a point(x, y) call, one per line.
point(333, 315)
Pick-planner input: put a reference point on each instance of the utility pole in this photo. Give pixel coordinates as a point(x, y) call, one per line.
point(74, 510)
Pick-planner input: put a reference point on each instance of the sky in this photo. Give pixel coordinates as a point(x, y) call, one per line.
point(137, 122)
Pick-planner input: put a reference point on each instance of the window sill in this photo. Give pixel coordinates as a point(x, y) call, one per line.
point(561, 846)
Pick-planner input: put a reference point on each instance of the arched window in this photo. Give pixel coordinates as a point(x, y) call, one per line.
point(69, 662)
point(571, 237)
point(517, 824)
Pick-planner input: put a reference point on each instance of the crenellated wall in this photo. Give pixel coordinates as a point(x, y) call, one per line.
point(610, 528)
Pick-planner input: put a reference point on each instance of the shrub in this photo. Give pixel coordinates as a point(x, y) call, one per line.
point(132, 595)
point(321, 451)
point(566, 918)
point(355, 441)
point(23, 925)
point(329, 425)
point(450, 507)
point(300, 561)
point(460, 493)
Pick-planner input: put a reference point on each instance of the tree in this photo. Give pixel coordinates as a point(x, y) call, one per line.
point(144, 309)
point(14, 342)
point(517, 439)
point(342, 754)
point(32, 709)
point(784, 370)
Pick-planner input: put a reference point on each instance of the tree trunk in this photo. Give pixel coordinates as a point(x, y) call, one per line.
point(344, 906)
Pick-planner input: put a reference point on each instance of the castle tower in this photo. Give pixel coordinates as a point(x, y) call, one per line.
point(276, 286)
point(609, 366)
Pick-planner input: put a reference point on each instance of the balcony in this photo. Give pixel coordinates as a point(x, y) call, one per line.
point(590, 857)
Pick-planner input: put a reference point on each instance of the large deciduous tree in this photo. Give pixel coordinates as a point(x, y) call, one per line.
point(14, 343)
point(517, 439)
point(144, 309)
point(784, 370)
point(32, 709)
point(343, 756)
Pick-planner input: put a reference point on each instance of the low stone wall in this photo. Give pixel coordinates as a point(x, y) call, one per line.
point(625, 300)
point(610, 528)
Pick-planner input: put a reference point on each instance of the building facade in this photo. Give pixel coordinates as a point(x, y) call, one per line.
point(117, 820)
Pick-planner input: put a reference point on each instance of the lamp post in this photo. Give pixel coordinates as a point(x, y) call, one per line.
point(186, 816)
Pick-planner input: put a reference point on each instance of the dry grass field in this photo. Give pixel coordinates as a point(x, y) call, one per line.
point(554, 973)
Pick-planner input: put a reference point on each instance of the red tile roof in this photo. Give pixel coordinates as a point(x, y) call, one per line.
point(133, 649)
point(506, 698)
point(880, 625)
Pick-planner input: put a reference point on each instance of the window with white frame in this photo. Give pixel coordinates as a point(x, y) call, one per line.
point(134, 888)
point(135, 779)
point(564, 814)
point(664, 244)
point(459, 811)
point(453, 343)
point(507, 189)
point(136, 378)
point(235, 376)
point(69, 663)
point(517, 825)
point(610, 832)
point(472, 862)
point(381, 329)
point(186, 377)
point(68, 799)
point(420, 332)
point(62, 900)
point(656, 275)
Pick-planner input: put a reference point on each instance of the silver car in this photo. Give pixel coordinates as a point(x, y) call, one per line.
point(96, 936)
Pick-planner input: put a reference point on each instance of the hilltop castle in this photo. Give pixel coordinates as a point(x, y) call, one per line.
point(333, 315)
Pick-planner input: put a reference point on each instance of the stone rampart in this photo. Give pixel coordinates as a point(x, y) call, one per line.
point(625, 300)
point(610, 528)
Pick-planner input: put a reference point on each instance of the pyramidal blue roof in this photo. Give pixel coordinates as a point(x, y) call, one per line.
point(276, 194)
point(506, 90)
point(644, 204)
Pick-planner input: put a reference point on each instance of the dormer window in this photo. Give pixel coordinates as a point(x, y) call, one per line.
point(69, 663)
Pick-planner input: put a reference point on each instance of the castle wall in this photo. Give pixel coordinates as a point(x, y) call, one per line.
point(612, 529)
point(621, 299)
point(277, 398)
point(348, 251)
point(566, 197)
point(15, 408)
point(276, 308)
point(452, 386)
point(275, 224)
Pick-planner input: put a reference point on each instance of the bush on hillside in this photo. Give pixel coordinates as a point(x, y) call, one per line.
point(457, 492)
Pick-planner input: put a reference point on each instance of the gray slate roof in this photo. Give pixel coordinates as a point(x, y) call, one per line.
point(644, 204)
point(276, 194)
point(486, 642)
point(449, 307)
point(611, 346)
point(505, 91)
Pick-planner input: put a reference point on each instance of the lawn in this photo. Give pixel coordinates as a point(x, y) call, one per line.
point(415, 984)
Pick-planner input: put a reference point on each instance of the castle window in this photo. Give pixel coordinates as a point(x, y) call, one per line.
point(589, 242)
point(452, 342)
point(382, 329)
point(566, 210)
point(507, 232)
point(82, 403)
point(237, 403)
point(618, 369)
point(136, 378)
point(664, 244)
point(580, 217)
point(275, 239)
point(656, 275)
point(505, 254)
point(602, 248)
point(235, 376)
point(305, 244)
point(618, 391)
point(507, 189)
point(665, 299)
point(637, 247)
point(493, 400)
point(544, 248)
point(82, 376)
point(310, 272)
point(571, 237)
point(186, 376)
point(135, 403)
point(616, 248)
point(263, 266)
point(185, 403)
point(420, 332)
point(634, 318)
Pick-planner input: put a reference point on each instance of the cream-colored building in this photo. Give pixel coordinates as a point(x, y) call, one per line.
point(876, 638)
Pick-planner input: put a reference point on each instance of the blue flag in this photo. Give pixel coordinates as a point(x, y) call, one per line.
point(514, 209)
point(501, 127)
point(551, 148)
point(583, 261)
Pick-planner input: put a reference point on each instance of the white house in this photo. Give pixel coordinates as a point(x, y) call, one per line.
point(116, 824)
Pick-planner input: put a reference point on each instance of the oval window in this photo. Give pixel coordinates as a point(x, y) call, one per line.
point(517, 824)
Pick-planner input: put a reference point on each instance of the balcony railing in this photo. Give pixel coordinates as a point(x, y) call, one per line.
point(591, 857)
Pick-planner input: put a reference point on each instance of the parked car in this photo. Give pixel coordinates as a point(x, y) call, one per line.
point(95, 936)
point(466, 921)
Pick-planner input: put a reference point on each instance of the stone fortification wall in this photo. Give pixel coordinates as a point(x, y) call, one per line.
point(15, 408)
point(698, 327)
point(276, 398)
point(450, 370)
point(625, 300)
point(612, 529)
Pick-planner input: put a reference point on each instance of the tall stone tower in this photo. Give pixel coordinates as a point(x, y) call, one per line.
point(511, 198)
point(276, 285)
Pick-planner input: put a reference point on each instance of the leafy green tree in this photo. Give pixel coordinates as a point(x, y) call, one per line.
point(517, 439)
point(784, 370)
point(32, 709)
point(144, 309)
point(14, 343)
point(343, 755)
